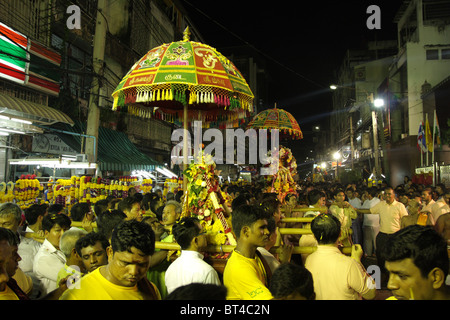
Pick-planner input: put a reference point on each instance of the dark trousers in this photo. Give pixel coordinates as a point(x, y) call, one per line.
point(381, 240)
point(357, 236)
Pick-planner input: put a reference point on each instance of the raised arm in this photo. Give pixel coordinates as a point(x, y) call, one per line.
point(364, 211)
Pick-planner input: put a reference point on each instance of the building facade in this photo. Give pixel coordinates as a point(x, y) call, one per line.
point(50, 64)
point(412, 81)
point(358, 80)
point(422, 65)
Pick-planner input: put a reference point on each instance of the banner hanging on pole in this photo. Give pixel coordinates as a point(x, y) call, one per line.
point(437, 131)
point(421, 141)
point(428, 137)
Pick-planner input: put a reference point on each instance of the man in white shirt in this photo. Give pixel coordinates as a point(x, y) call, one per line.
point(427, 200)
point(316, 200)
point(391, 213)
point(440, 206)
point(371, 223)
point(49, 259)
point(28, 247)
point(189, 267)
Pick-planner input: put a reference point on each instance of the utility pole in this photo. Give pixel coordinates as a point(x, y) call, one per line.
point(385, 159)
point(375, 141)
point(351, 138)
point(94, 96)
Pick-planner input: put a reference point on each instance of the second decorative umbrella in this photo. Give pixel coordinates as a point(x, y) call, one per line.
point(277, 119)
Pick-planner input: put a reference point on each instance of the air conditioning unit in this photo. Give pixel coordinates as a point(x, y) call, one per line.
point(81, 157)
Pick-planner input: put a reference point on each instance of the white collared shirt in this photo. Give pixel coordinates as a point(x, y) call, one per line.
point(355, 202)
point(390, 215)
point(439, 208)
point(270, 258)
point(427, 207)
point(369, 219)
point(189, 268)
point(316, 213)
point(27, 250)
point(47, 263)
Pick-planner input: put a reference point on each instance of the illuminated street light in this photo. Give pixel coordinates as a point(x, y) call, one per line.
point(375, 105)
point(337, 155)
point(378, 103)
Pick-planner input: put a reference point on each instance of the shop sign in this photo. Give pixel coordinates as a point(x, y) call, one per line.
point(50, 143)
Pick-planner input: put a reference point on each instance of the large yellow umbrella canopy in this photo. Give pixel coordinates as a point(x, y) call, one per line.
point(183, 74)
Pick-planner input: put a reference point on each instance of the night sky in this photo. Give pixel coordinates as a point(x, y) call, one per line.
point(304, 42)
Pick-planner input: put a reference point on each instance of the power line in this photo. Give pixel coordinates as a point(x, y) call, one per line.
point(256, 49)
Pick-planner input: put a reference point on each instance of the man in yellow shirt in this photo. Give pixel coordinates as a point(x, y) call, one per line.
point(124, 277)
point(246, 276)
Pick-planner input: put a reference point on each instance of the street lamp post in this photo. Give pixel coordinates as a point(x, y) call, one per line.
point(336, 157)
point(377, 103)
point(375, 144)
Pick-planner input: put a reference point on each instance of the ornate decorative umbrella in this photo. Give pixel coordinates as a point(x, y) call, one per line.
point(183, 74)
point(180, 77)
point(277, 119)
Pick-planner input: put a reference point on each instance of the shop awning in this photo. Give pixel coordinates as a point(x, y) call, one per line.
point(35, 112)
point(115, 150)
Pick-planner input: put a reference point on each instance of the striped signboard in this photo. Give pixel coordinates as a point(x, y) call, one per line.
point(27, 62)
point(13, 54)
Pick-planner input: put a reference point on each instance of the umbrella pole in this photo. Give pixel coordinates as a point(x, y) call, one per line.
point(185, 146)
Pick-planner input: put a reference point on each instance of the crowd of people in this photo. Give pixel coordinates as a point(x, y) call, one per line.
point(405, 230)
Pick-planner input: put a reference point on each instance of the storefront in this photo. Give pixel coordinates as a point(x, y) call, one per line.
point(20, 122)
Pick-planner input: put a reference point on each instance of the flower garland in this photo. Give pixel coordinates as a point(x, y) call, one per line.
point(172, 185)
point(205, 199)
point(6, 192)
point(199, 204)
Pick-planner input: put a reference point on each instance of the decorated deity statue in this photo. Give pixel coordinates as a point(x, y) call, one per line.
point(282, 182)
point(204, 200)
